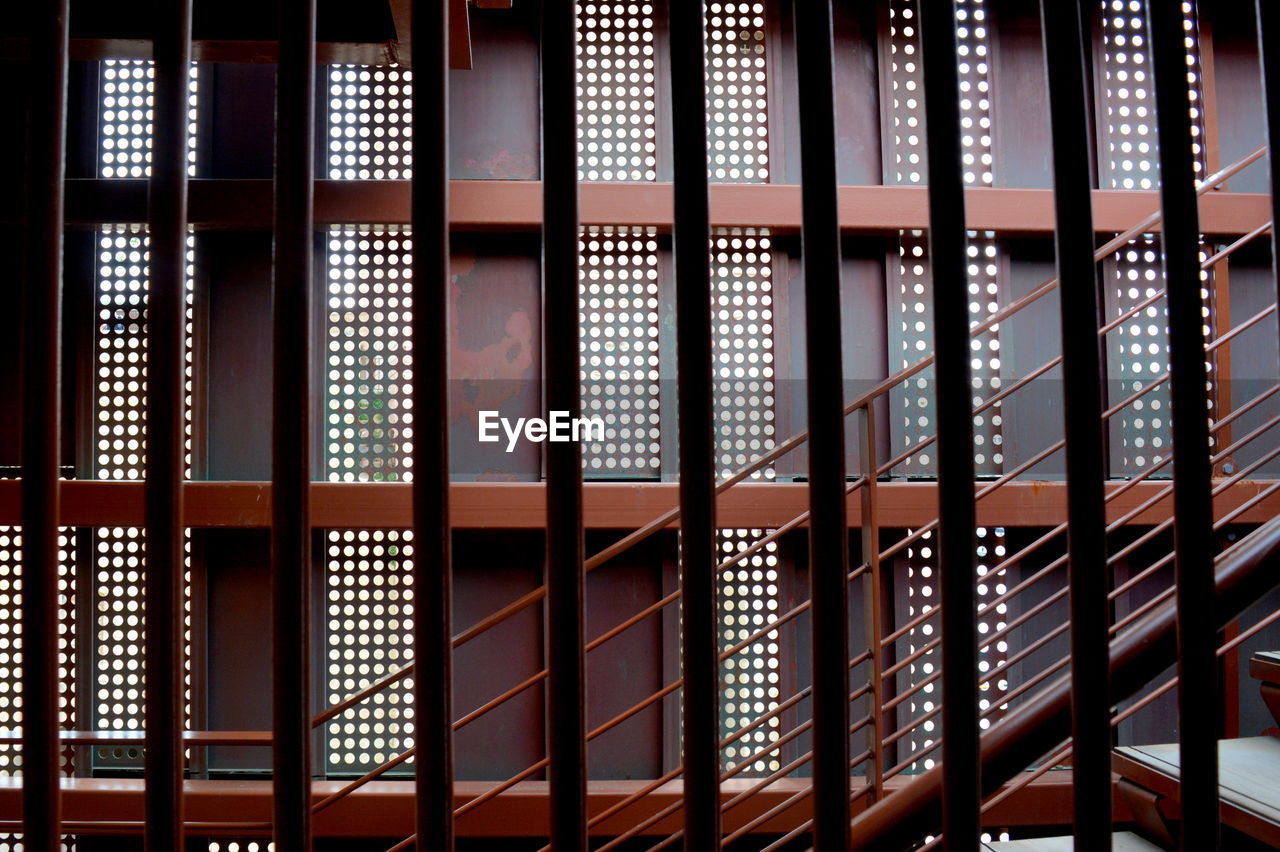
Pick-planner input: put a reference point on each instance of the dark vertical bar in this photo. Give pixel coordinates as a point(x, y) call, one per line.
point(290, 426)
point(432, 534)
point(1192, 503)
point(691, 234)
point(1269, 55)
point(828, 525)
point(873, 610)
point(956, 514)
point(566, 677)
point(1064, 42)
point(165, 439)
point(42, 424)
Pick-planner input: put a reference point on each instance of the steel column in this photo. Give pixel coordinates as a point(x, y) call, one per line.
point(828, 526)
point(1269, 56)
point(291, 427)
point(432, 532)
point(1192, 501)
point(956, 512)
point(1064, 41)
point(566, 677)
point(42, 424)
point(691, 234)
point(873, 589)
point(165, 436)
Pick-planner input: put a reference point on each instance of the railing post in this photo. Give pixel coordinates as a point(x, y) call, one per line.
point(42, 424)
point(566, 690)
point(698, 565)
point(165, 436)
point(1192, 502)
point(828, 521)
point(1064, 40)
point(873, 595)
point(432, 533)
point(956, 511)
point(291, 426)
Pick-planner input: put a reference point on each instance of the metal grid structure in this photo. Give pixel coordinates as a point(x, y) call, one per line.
point(369, 600)
point(370, 126)
point(128, 93)
point(368, 421)
point(617, 137)
point(1138, 348)
point(618, 300)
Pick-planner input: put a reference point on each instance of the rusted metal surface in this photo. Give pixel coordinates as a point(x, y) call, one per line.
point(514, 205)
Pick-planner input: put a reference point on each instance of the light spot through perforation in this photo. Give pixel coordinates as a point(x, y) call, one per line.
point(617, 140)
point(737, 95)
point(748, 603)
point(369, 630)
point(125, 118)
point(742, 340)
point(618, 316)
point(370, 122)
point(368, 365)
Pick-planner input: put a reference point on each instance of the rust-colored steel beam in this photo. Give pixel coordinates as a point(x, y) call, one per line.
point(957, 517)
point(291, 427)
point(41, 330)
point(498, 205)
point(432, 533)
point(165, 439)
point(1269, 57)
point(609, 505)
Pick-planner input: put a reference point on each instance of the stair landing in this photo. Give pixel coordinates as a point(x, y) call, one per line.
point(1121, 842)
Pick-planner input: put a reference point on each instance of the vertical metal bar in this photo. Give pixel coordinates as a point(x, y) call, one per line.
point(291, 419)
point(566, 691)
point(165, 438)
point(1192, 503)
point(42, 424)
point(873, 590)
point(432, 533)
point(698, 581)
point(828, 524)
point(956, 512)
point(1269, 55)
point(1065, 58)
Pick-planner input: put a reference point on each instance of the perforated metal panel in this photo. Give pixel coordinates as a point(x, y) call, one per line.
point(748, 602)
point(922, 598)
point(369, 613)
point(241, 846)
point(368, 420)
point(737, 99)
point(617, 140)
point(911, 331)
point(370, 122)
point(1138, 348)
point(618, 314)
point(125, 118)
point(742, 342)
point(991, 551)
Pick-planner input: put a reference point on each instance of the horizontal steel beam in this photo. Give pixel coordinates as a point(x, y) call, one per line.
point(608, 505)
point(488, 205)
point(383, 808)
point(195, 738)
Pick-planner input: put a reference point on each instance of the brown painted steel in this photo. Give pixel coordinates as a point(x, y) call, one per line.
point(1193, 504)
point(699, 636)
point(291, 427)
point(42, 426)
point(873, 591)
point(432, 533)
point(501, 205)
point(165, 436)
point(954, 411)
point(1269, 59)
point(565, 592)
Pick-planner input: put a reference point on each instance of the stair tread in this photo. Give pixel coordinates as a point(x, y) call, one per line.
point(1248, 771)
point(1124, 841)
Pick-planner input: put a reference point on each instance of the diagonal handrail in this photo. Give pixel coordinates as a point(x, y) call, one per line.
point(880, 389)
